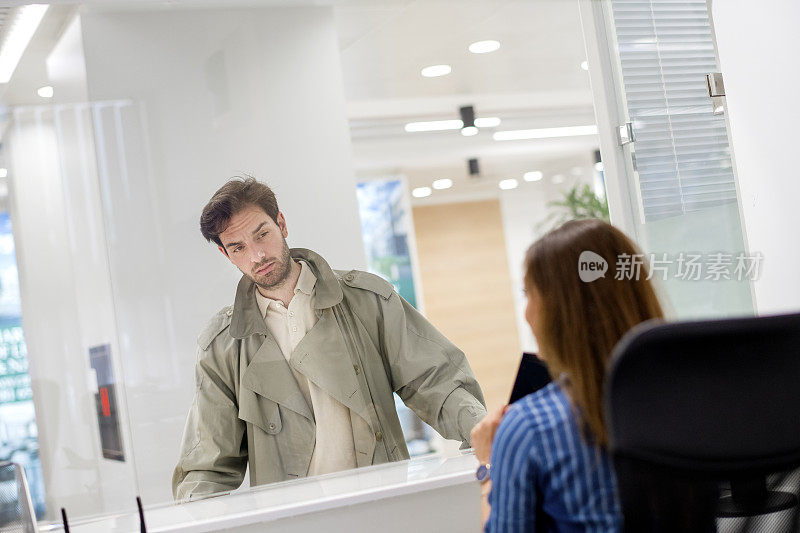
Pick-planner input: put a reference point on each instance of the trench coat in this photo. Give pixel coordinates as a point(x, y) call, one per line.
point(367, 344)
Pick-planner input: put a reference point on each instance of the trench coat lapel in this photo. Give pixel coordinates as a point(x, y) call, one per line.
point(322, 356)
point(269, 375)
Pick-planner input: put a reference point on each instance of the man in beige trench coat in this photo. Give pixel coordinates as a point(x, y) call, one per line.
point(297, 376)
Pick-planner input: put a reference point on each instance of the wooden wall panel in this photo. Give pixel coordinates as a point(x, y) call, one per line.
point(466, 288)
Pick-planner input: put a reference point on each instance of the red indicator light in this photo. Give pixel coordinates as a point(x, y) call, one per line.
point(104, 401)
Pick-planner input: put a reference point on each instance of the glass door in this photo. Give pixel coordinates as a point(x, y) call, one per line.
point(669, 150)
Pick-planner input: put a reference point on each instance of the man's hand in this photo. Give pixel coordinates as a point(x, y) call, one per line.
point(482, 434)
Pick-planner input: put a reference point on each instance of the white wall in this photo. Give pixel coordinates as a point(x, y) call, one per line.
point(109, 245)
point(525, 212)
point(758, 47)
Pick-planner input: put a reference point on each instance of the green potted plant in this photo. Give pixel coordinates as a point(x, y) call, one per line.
point(578, 202)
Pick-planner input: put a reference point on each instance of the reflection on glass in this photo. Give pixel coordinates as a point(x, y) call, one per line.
point(18, 433)
point(385, 222)
point(297, 377)
point(153, 108)
point(384, 214)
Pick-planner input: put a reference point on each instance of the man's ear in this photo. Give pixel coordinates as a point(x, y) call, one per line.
point(281, 221)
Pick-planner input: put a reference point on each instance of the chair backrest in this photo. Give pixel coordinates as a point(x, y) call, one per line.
point(691, 404)
point(16, 509)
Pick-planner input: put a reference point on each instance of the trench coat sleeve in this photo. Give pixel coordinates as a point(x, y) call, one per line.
point(214, 450)
point(429, 373)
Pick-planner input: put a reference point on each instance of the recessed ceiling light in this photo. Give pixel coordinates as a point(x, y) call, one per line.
point(469, 131)
point(585, 65)
point(488, 122)
point(484, 47)
point(534, 175)
point(3, 172)
point(598, 166)
point(510, 183)
point(45, 92)
point(436, 70)
point(19, 35)
point(444, 183)
point(421, 192)
point(544, 133)
point(434, 125)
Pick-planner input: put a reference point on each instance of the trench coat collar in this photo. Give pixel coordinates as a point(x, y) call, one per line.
point(322, 356)
point(247, 319)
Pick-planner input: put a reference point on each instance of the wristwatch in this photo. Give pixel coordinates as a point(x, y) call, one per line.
point(483, 473)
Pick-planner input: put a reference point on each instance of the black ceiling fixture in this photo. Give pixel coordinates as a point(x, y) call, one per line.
point(474, 170)
point(468, 128)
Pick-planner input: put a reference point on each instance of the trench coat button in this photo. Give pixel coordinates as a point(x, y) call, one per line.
point(229, 312)
point(271, 426)
point(378, 436)
point(349, 277)
point(358, 370)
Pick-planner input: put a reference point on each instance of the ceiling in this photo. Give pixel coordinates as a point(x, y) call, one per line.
point(384, 45)
point(533, 81)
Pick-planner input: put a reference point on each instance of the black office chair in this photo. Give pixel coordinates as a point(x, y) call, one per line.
point(704, 425)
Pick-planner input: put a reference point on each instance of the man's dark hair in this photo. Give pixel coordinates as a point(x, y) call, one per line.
point(231, 198)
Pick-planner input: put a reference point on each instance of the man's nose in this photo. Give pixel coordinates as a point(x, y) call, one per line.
point(257, 256)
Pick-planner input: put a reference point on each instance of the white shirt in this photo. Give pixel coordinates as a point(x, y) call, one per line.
point(334, 449)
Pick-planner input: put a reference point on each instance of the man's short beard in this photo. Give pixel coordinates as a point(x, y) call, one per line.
point(276, 278)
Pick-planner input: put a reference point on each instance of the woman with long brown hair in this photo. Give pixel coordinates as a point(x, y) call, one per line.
point(549, 469)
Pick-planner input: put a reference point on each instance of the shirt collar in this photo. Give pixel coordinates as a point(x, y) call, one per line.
point(247, 320)
point(307, 280)
point(305, 284)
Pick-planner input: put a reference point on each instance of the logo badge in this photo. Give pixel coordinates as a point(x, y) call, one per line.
point(591, 266)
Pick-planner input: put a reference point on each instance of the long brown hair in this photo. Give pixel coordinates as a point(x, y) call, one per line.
point(579, 321)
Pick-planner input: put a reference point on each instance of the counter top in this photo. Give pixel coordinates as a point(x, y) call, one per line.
point(292, 498)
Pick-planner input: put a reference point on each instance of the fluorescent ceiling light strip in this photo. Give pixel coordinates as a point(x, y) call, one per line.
point(488, 122)
point(545, 133)
point(442, 125)
point(19, 36)
point(436, 125)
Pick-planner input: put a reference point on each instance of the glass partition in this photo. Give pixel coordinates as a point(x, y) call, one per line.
point(471, 121)
point(684, 195)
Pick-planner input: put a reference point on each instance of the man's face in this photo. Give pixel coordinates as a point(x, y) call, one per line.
point(256, 244)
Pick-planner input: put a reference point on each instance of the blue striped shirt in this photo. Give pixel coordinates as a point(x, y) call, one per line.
point(543, 470)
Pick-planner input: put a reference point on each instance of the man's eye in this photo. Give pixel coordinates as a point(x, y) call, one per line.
point(237, 249)
point(263, 234)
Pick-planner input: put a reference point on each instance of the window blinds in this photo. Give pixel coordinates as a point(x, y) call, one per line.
point(681, 150)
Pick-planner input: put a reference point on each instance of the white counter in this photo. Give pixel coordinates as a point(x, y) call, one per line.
point(432, 493)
